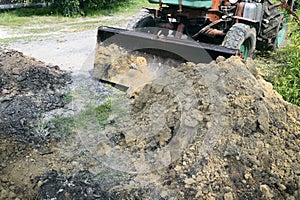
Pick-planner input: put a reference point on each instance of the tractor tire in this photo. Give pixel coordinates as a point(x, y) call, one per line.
point(273, 28)
point(141, 20)
point(243, 38)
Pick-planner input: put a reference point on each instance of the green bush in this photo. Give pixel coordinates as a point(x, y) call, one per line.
point(70, 8)
point(287, 81)
point(67, 8)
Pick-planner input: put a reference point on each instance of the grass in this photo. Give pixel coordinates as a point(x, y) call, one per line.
point(64, 128)
point(103, 112)
point(282, 67)
point(30, 23)
point(68, 97)
point(6, 41)
point(91, 119)
point(39, 16)
point(86, 120)
point(124, 9)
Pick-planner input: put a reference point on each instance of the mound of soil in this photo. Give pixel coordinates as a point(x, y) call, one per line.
point(215, 131)
point(28, 88)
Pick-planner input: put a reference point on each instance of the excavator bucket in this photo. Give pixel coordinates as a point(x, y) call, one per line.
point(133, 58)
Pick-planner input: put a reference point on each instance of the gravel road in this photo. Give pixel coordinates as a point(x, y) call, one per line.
point(71, 52)
point(71, 49)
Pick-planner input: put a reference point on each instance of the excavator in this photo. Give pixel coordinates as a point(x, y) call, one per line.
point(191, 30)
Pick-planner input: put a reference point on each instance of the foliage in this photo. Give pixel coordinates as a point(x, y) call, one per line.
point(67, 8)
point(103, 111)
point(23, 16)
point(70, 8)
point(287, 81)
point(98, 4)
point(63, 128)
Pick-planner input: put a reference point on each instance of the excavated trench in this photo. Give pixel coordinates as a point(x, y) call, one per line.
point(200, 131)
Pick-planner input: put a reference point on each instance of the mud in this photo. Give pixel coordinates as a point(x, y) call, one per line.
point(215, 131)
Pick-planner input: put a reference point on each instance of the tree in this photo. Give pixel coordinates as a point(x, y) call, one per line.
point(80, 7)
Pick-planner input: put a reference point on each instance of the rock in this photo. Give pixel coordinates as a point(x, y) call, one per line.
point(4, 179)
point(210, 197)
point(199, 194)
point(260, 144)
point(12, 195)
point(228, 196)
point(33, 88)
point(266, 191)
point(227, 189)
point(290, 198)
point(12, 187)
point(177, 168)
point(243, 134)
point(75, 163)
point(251, 67)
point(5, 92)
point(40, 183)
point(4, 194)
point(220, 59)
point(281, 187)
point(248, 176)
point(190, 122)
point(164, 194)
point(189, 181)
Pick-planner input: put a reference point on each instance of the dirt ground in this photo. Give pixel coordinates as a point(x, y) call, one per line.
point(215, 131)
point(73, 52)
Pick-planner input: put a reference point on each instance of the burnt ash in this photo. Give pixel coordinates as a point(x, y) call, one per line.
point(28, 89)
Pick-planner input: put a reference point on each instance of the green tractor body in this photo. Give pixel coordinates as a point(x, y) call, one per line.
point(187, 3)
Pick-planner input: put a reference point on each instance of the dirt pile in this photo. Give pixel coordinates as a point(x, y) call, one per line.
point(28, 88)
point(129, 68)
point(216, 131)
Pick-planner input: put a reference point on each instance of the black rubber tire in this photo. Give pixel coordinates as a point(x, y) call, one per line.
point(238, 35)
point(272, 23)
point(141, 20)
